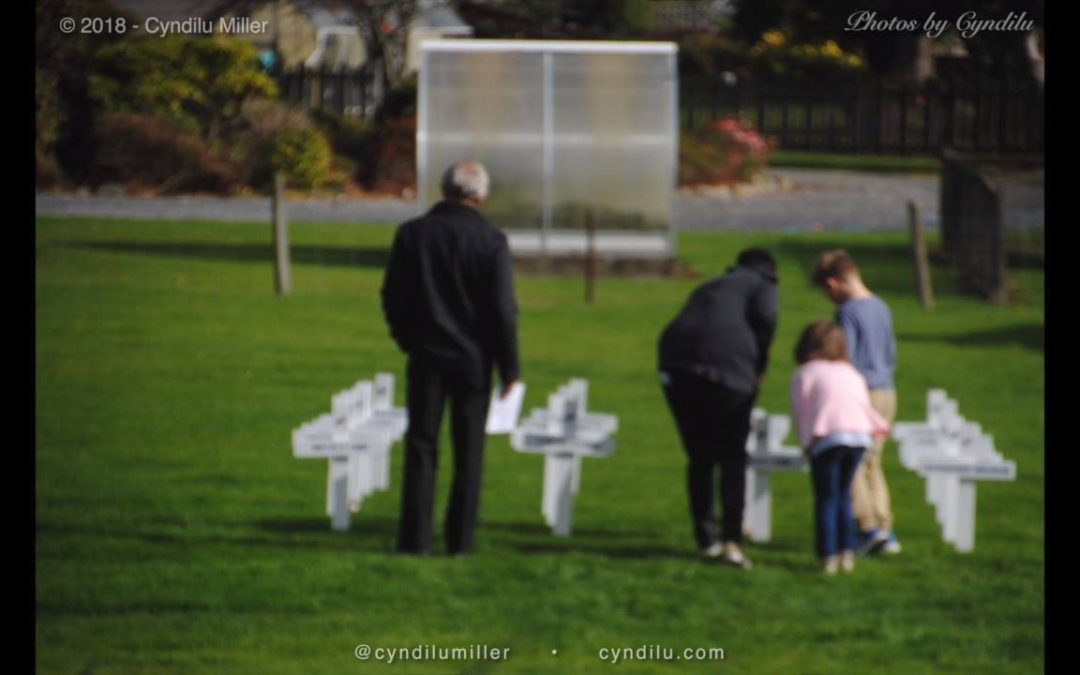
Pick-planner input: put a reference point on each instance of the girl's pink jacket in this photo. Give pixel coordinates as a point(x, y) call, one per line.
point(828, 397)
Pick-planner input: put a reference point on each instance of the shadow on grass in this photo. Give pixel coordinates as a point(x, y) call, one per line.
point(538, 528)
point(294, 535)
point(377, 536)
point(635, 551)
point(1030, 336)
point(791, 556)
point(364, 534)
point(778, 546)
point(534, 538)
point(331, 256)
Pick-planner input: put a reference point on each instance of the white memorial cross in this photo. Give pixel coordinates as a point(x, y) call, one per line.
point(951, 454)
point(564, 433)
point(766, 454)
point(356, 437)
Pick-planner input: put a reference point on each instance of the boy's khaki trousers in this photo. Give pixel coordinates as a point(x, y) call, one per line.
point(869, 492)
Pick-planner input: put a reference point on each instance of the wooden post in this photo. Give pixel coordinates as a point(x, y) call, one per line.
point(282, 280)
point(590, 256)
point(922, 264)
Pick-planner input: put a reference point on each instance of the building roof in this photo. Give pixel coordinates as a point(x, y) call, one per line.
point(437, 14)
point(322, 16)
point(168, 10)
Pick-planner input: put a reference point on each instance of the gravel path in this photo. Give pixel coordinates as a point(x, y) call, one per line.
point(840, 201)
point(224, 208)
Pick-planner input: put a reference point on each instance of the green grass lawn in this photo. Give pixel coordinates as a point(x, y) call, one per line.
point(865, 162)
point(177, 534)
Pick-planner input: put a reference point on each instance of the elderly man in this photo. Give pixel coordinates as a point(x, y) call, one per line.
point(448, 297)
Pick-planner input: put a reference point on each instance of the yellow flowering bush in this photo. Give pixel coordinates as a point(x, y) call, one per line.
point(774, 55)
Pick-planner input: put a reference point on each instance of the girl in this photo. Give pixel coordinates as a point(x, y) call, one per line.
point(836, 423)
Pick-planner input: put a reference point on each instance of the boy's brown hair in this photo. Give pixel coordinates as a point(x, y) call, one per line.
point(822, 339)
point(835, 264)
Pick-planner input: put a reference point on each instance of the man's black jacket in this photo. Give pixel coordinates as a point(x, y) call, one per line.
point(448, 293)
point(724, 331)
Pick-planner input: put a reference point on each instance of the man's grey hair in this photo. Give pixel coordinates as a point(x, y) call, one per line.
point(466, 180)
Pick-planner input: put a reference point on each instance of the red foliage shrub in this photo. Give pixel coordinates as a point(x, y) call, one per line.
point(144, 151)
point(727, 151)
point(390, 166)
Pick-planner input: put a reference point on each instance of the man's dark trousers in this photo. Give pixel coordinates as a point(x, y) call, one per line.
point(429, 388)
point(714, 423)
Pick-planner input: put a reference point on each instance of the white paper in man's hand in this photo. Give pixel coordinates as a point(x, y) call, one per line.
point(503, 413)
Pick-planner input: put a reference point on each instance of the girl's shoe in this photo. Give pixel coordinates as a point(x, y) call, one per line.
point(830, 565)
point(847, 561)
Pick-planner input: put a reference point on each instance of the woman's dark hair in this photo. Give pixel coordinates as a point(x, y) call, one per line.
point(758, 259)
point(822, 339)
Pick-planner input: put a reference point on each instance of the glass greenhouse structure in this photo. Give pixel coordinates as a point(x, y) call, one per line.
point(564, 127)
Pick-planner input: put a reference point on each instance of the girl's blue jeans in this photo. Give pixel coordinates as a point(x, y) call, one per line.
point(832, 472)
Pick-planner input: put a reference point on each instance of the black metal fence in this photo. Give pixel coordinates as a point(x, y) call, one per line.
point(876, 116)
point(354, 93)
point(865, 115)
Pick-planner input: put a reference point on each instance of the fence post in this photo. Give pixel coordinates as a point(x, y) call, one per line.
point(928, 104)
point(903, 117)
point(325, 73)
point(1039, 120)
point(878, 118)
point(339, 93)
point(949, 137)
point(714, 102)
point(690, 109)
point(858, 115)
point(1003, 114)
point(978, 111)
point(280, 230)
point(362, 80)
point(922, 263)
point(830, 120)
point(783, 121)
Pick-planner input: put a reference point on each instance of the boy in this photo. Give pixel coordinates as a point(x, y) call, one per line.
point(867, 324)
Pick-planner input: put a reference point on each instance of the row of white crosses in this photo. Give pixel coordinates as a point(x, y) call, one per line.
point(948, 451)
point(564, 433)
point(951, 454)
point(356, 437)
point(766, 454)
